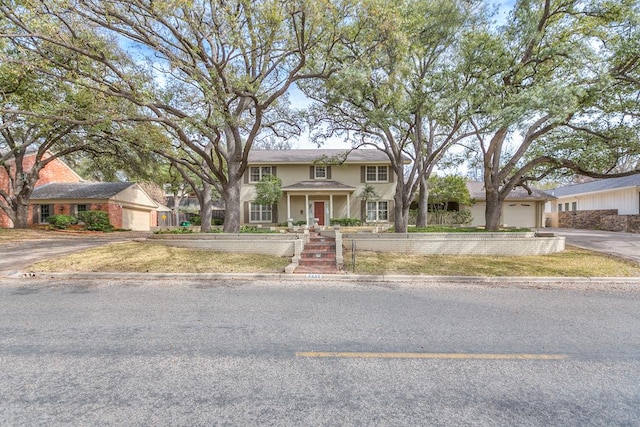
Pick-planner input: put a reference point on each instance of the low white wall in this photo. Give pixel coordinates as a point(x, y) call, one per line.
point(501, 244)
point(284, 245)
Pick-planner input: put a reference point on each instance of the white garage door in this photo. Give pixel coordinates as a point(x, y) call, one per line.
point(519, 214)
point(135, 220)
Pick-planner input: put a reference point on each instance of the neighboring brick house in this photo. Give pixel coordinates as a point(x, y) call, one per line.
point(520, 209)
point(59, 190)
point(314, 188)
point(54, 171)
point(605, 204)
point(128, 205)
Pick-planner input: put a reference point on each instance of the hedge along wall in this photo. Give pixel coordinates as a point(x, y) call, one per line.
point(501, 244)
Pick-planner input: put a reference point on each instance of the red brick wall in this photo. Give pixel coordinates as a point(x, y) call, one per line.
point(55, 171)
point(115, 215)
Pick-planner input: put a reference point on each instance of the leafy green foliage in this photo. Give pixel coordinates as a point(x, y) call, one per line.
point(253, 229)
point(61, 221)
point(346, 222)
point(268, 190)
point(96, 220)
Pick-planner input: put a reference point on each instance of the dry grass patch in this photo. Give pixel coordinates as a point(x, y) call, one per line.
point(138, 257)
point(573, 262)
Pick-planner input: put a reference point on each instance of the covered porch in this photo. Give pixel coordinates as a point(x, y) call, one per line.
point(308, 200)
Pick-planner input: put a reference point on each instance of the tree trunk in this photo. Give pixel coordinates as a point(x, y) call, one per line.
point(400, 211)
point(493, 209)
point(21, 214)
point(205, 208)
point(423, 204)
point(231, 195)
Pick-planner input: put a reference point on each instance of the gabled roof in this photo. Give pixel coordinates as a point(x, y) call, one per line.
point(310, 156)
point(80, 190)
point(477, 191)
point(598, 185)
point(318, 185)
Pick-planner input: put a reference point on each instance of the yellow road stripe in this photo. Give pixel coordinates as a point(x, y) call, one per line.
point(483, 356)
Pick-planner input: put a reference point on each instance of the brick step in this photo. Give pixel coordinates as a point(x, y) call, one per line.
point(317, 255)
point(319, 248)
point(317, 261)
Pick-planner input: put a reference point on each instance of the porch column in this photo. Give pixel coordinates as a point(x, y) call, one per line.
point(330, 207)
point(306, 207)
point(348, 205)
point(288, 205)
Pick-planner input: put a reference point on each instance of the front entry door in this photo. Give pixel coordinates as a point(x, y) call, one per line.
point(318, 212)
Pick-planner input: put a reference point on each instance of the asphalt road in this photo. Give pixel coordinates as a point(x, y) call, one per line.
point(249, 353)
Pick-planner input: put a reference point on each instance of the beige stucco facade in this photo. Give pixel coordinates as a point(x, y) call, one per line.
point(331, 192)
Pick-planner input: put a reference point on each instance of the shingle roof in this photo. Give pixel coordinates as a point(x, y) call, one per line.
point(309, 156)
point(80, 190)
point(477, 191)
point(598, 185)
point(318, 185)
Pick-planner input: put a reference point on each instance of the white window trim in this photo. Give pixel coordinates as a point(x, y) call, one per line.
point(315, 172)
point(366, 173)
point(377, 211)
point(262, 209)
point(261, 173)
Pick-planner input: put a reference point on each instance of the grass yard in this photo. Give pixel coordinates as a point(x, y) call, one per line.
point(573, 262)
point(156, 258)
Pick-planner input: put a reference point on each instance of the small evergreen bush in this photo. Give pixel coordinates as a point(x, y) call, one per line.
point(61, 221)
point(345, 222)
point(96, 220)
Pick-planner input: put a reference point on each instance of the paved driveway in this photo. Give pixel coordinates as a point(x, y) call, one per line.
point(624, 245)
point(15, 256)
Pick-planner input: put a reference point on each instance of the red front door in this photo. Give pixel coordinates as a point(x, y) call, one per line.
point(318, 212)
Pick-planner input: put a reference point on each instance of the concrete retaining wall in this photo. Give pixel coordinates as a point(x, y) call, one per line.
point(284, 245)
point(501, 244)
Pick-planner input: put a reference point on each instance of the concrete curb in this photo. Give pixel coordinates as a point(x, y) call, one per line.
point(330, 278)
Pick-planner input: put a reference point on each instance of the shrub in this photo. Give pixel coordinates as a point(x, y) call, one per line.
point(346, 222)
point(217, 221)
point(61, 221)
point(96, 220)
point(252, 229)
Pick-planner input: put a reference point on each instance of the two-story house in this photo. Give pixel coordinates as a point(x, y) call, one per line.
point(320, 184)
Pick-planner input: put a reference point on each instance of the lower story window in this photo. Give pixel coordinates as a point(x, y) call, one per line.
point(377, 211)
point(45, 212)
point(260, 213)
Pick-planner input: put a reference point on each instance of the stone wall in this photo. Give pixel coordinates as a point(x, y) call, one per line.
point(628, 223)
point(586, 220)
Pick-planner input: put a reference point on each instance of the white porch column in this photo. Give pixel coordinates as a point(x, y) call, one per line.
point(288, 205)
point(348, 205)
point(330, 207)
point(306, 208)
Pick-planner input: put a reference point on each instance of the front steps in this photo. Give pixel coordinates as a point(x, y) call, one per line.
point(318, 256)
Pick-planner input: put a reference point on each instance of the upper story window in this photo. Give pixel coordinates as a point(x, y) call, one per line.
point(256, 173)
point(377, 174)
point(320, 172)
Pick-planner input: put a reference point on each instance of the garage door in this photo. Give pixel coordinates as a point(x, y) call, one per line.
point(519, 214)
point(136, 220)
